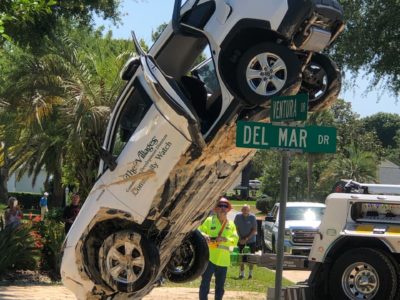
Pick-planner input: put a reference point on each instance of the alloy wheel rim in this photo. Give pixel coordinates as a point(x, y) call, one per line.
point(316, 81)
point(360, 281)
point(125, 261)
point(266, 74)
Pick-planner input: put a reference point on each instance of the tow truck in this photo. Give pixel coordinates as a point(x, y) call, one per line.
point(356, 251)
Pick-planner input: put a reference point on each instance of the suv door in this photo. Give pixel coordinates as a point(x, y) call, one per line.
point(152, 126)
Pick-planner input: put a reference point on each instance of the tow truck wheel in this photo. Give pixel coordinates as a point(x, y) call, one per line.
point(321, 81)
point(363, 273)
point(266, 70)
point(190, 260)
point(128, 261)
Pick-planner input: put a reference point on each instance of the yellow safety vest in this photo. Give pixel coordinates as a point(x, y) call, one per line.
point(219, 252)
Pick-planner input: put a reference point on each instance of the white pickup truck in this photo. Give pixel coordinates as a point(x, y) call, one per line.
point(302, 222)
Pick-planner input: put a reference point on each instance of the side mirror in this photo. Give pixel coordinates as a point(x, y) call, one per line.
point(108, 159)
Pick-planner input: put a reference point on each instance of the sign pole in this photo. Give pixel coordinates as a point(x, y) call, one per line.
point(281, 228)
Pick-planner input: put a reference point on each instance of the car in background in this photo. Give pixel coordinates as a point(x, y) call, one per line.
point(254, 184)
point(302, 222)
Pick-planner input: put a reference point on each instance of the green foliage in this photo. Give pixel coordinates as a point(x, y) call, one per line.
point(155, 34)
point(264, 204)
point(352, 163)
point(358, 153)
point(19, 248)
point(52, 233)
point(269, 164)
point(27, 22)
point(386, 126)
point(73, 87)
point(370, 41)
point(55, 214)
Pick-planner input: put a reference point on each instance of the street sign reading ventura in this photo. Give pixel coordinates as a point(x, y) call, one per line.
point(289, 108)
point(266, 136)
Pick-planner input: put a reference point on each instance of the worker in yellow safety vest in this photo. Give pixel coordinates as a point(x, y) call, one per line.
point(220, 234)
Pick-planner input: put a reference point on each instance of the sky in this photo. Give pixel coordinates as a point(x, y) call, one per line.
point(143, 16)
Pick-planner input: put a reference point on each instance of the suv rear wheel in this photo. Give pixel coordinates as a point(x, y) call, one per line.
point(190, 260)
point(321, 81)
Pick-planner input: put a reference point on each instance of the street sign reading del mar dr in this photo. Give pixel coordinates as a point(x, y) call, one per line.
point(266, 136)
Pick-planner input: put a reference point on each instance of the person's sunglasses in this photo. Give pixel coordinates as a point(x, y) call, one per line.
point(223, 206)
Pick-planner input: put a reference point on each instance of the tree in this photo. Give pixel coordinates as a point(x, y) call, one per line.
point(62, 102)
point(354, 164)
point(393, 154)
point(371, 40)
point(156, 34)
point(27, 22)
point(385, 125)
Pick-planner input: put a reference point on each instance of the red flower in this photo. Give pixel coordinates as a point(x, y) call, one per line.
point(38, 244)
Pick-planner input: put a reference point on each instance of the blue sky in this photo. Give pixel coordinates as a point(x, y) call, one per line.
point(143, 16)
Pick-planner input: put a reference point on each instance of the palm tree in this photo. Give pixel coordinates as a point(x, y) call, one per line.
point(353, 164)
point(62, 101)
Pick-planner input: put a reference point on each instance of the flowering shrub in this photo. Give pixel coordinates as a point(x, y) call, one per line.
point(52, 236)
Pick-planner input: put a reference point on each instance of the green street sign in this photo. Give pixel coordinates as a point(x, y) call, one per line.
point(313, 139)
point(289, 108)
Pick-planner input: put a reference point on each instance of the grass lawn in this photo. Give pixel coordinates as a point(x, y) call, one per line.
point(237, 205)
point(262, 279)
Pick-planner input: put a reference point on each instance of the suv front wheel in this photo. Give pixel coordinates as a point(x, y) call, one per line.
point(266, 70)
point(128, 261)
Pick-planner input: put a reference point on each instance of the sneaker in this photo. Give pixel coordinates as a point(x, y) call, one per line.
point(240, 277)
point(250, 276)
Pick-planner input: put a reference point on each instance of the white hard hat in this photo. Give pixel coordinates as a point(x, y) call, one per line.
point(46, 193)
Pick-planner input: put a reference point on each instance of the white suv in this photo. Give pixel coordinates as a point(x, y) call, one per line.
point(169, 152)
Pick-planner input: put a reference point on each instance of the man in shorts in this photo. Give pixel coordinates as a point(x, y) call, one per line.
point(246, 227)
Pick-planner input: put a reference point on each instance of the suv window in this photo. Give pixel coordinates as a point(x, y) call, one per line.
point(134, 110)
point(206, 73)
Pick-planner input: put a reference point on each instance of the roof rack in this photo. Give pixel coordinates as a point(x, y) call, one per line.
point(354, 187)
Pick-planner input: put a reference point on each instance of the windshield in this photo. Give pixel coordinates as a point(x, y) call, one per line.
point(304, 213)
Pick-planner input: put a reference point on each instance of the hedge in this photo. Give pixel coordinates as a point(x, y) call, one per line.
point(28, 200)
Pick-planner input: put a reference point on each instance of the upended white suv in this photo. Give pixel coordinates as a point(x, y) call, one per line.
point(169, 152)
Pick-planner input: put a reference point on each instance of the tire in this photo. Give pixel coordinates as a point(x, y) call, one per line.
point(256, 77)
point(128, 271)
point(348, 276)
point(322, 81)
point(190, 260)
